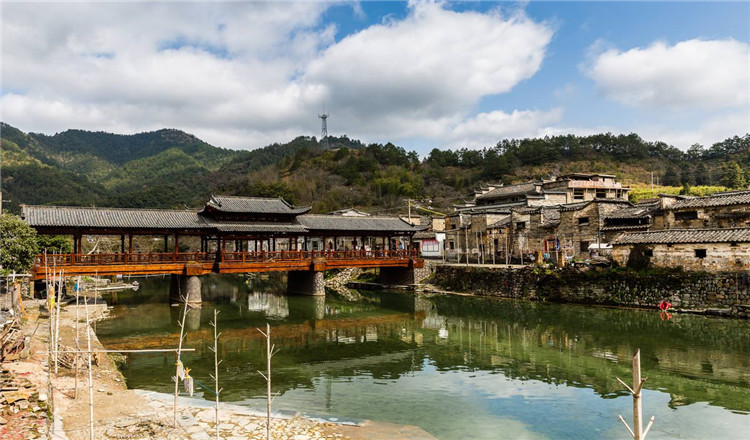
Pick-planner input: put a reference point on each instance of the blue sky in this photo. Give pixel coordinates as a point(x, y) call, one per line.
point(420, 74)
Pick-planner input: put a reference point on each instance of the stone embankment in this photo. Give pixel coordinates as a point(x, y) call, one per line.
point(720, 293)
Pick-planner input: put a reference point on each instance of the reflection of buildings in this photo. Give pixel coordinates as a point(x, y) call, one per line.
point(274, 306)
point(523, 341)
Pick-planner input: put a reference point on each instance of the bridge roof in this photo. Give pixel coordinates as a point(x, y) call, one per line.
point(253, 205)
point(319, 222)
point(124, 218)
point(68, 219)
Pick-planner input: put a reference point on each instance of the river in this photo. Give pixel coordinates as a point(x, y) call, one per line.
point(459, 367)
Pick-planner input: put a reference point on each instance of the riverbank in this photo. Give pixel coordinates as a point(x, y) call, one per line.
point(721, 293)
point(123, 413)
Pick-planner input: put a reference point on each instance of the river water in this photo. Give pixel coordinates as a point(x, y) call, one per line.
point(459, 367)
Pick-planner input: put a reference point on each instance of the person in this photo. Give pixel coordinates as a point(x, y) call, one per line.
point(665, 305)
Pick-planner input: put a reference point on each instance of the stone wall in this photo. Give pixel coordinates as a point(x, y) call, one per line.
point(719, 256)
point(688, 290)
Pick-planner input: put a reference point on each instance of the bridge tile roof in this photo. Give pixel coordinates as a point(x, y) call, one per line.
point(675, 236)
point(261, 205)
point(315, 222)
point(259, 227)
point(73, 216)
point(164, 219)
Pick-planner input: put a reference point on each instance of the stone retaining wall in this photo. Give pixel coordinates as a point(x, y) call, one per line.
point(685, 290)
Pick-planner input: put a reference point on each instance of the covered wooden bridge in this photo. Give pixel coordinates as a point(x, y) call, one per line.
point(229, 235)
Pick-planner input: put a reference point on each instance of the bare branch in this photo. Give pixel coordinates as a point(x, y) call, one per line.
point(626, 425)
point(625, 385)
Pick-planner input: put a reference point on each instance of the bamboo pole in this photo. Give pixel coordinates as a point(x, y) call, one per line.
point(78, 345)
point(179, 352)
point(91, 376)
point(60, 286)
point(216, 369)
point(270, 352)
point(637, 432)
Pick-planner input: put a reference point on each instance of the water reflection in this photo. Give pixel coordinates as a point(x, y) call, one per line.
point(445, 355)
point(274, 306)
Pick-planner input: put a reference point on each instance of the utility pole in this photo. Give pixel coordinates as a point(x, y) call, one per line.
point(652, 184)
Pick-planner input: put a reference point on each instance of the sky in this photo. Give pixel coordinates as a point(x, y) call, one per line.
point(420, 74)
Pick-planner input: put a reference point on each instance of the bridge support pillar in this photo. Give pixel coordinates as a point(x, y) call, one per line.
point(185, 288)
point(397, 275)
point(305, 282)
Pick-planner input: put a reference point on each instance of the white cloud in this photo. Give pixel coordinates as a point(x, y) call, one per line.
point(486, 129)
point(246, 74)
point(204, 68)
point(703, 74)
point(433, 65)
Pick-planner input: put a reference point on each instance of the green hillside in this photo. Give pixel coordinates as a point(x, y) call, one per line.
point(172, 169)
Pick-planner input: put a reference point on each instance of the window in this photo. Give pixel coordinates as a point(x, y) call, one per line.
point(578, 194)
point(733, 244)
point(686, 215)
point(520, 225)
point(584, 246)
point(583, 221)
point(601, 194)
point(451, 245)
point(649, 252)
point(700, 253)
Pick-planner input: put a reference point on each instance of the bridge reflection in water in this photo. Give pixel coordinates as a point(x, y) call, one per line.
point(439, 359)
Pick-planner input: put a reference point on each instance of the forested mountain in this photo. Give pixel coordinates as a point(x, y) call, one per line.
point(171, 169)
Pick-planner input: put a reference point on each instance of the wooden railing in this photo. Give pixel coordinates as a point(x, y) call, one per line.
point(213, 257)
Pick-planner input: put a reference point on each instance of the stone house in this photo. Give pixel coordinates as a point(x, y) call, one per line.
point(580, 225)
point(722, 210)
point(690, 249)
point(638, 217)
point(568, 188)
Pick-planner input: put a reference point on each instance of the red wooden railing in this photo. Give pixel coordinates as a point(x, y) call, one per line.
point(213, 257)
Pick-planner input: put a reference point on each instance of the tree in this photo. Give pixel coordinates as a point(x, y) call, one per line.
point(702, 177)
point(732, 175)
point(55, 244)
point(18, 245)
point(687, 177)
point(671, 178)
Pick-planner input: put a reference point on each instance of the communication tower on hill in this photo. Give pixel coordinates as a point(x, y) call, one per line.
point(323, 127)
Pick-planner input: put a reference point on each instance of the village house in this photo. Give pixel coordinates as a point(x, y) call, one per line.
point(722, 210)
point(514, 222)
point(690, 249)
point(431, 242)
point(568, 188)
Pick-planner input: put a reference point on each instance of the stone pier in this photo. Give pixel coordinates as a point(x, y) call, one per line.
point(305, 282)
point(185, 288)
point(403, 276)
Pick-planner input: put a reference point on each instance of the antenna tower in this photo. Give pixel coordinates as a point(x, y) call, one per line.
point(323, 127)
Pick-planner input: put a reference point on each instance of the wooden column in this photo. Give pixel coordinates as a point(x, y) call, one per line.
point(166, 244)
point(176, 243)
point(130, 243)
